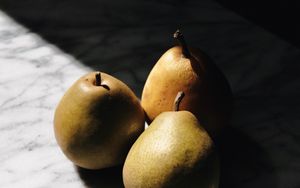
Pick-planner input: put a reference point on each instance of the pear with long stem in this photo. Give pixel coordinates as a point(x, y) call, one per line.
point(182, 68)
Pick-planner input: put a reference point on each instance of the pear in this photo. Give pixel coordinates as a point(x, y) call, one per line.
point(174, 151)
point(97, 121)
point(190, 70)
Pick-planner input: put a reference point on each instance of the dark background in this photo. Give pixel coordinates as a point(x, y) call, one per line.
point(254, 43)
point(278, 17)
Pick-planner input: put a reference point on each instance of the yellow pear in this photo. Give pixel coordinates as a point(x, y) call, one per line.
point(97, 121)
point(189, 70)
point(174, 151)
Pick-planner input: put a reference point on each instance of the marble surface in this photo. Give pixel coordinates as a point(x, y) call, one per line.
point(34, 75)
point(44, 50)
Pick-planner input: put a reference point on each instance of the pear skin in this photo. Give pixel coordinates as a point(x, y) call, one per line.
point(97, 121)
point(174, 151)
point(208, 92)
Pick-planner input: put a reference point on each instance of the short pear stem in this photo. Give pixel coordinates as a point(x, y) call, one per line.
point(178, 99)
point(179, 37)
point(98, 79)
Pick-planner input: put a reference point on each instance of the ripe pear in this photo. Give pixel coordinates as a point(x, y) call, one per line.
point(97, 121)
point(190, 70)
point(174, 151)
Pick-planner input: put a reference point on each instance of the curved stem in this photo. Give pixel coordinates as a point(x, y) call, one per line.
point(98, 79)
point(179, 37)
point(178, 99)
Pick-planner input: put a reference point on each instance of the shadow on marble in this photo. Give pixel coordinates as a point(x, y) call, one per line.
point(109, 177)
point(243, 162)
point(265, 14)
point(120, 38)
point(262, 147)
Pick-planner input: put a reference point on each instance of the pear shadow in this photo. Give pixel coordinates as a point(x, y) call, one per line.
point(128, 44)
point(108, 177)
point(243, 162)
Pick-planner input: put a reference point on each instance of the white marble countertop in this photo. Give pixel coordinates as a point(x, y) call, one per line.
point(261, 149)
point(34, 75)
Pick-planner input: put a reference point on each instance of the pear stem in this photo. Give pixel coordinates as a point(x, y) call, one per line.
point(178, 99)
point(179, 37)
point(98, 79)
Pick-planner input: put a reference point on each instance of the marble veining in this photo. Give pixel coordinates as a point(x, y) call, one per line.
point(34, 74)
point(259, 149)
